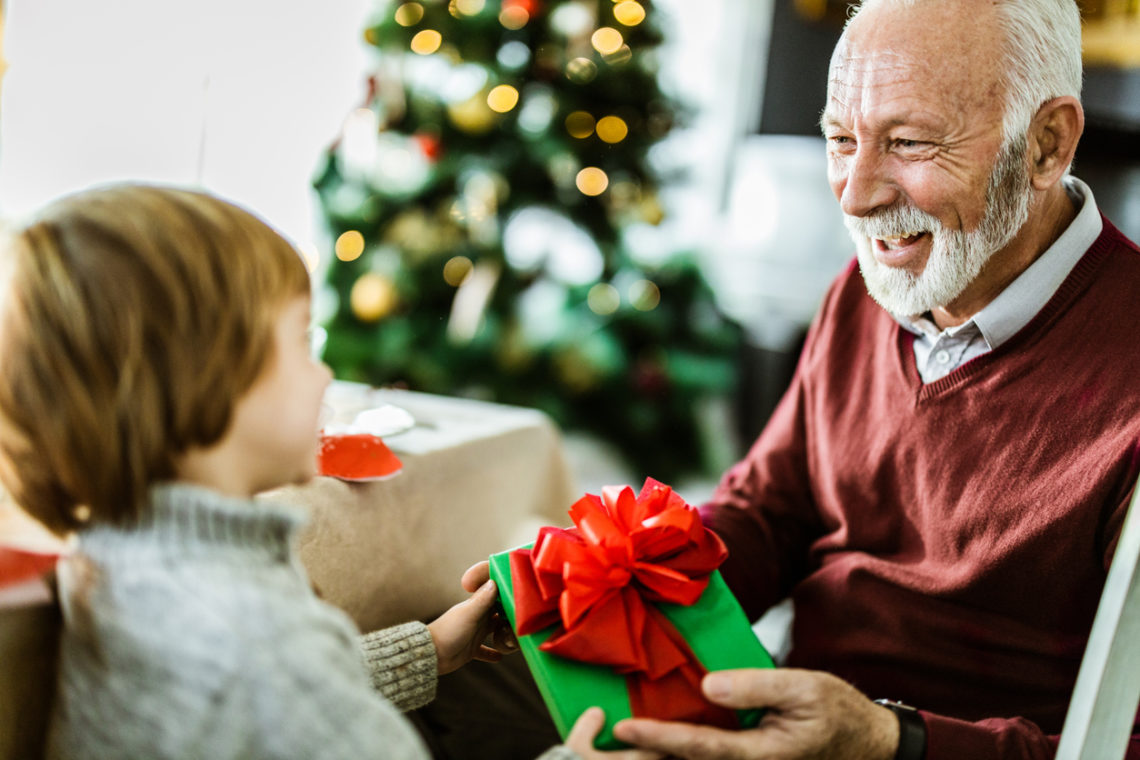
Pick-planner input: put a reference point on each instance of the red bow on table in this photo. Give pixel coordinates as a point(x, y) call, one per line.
point(600, 581)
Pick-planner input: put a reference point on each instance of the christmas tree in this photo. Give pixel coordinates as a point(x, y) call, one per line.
point(481, 202)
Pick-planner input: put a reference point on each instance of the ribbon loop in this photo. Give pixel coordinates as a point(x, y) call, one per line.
point(598, 583)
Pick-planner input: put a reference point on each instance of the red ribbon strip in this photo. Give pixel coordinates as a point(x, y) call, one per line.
point(600, 581)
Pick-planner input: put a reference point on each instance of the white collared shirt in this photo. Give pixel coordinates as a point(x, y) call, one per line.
point(937, 353)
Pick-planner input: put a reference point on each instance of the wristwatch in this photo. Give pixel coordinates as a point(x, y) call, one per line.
point(912, 730)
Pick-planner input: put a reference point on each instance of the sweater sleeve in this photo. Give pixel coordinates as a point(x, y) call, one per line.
point(998, 739)
point(763, 509)
point(401, 663)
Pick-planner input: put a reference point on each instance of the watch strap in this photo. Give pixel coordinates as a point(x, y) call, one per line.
point(912, 730)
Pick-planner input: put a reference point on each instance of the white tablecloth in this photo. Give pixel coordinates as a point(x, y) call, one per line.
point(478, 478)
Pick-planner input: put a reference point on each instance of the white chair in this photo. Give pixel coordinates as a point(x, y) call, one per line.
point(1103, 708)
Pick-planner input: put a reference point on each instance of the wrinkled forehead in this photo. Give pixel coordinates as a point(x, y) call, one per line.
point(886, 63)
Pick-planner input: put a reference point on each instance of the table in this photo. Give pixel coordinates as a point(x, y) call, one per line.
point(478, 478)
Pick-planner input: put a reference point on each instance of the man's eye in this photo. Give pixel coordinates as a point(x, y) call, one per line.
point(907, 144)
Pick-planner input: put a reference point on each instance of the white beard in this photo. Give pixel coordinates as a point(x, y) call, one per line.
point(956, 257)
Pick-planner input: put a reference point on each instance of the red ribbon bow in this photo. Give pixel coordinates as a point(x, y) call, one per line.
point(599, 583)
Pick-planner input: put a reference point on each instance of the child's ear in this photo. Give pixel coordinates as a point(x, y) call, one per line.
point(1053, 136)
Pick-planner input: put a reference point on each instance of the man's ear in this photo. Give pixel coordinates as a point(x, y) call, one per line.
point(1053, 136)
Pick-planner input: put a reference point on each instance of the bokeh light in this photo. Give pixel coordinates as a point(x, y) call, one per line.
point(349, 246)
point(514, 17)
point(607, 40)
point(612, 129)
point(620, 56)
point(644, 295)
point(311, 255)
point(373, 297)
point(581, 70)
point(502, 98)
point(629, 13)
point(592, 181)
point(409, 14)
point(426, 42)
point(456, 269)
point(514, 54)
point(471, 7)
point(580, 124)
point(603, 299)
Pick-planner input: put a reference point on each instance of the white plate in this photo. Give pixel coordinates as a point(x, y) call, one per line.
point(383, 421)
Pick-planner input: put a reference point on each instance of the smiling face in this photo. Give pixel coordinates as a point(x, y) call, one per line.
point(915, 153)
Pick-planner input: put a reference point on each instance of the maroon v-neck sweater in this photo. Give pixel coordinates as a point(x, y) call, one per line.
point(946, 544)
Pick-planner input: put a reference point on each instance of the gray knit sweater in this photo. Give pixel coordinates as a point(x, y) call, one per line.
point(195, 634)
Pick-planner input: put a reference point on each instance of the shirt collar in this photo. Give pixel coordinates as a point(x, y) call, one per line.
point(1025, 296)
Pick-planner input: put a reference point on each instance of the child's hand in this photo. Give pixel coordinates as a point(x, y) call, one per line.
point(459, 634)
point(586, 729)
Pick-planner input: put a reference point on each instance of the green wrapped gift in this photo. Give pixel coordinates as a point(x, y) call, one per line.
point(714, 627)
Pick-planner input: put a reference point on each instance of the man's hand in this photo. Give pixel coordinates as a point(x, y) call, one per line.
point(810, 715)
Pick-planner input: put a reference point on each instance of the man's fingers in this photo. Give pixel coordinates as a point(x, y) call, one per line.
point(686, 740)
point(747, 688)
point(475, 576)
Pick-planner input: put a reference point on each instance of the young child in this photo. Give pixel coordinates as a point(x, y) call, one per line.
point(156, 374)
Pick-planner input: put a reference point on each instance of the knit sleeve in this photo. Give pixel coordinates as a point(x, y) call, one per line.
point(763, 509)
point(998, 739)
point(401, 662)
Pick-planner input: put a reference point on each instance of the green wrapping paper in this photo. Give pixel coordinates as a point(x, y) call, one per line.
point(715, 628)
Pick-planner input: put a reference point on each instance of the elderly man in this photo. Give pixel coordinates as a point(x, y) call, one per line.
point(942, 488)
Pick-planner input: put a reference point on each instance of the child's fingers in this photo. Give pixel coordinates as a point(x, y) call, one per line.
point(475, 576)
point(585, 729)
point(487, 654)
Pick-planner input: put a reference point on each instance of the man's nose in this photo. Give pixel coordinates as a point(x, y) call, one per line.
point(866, 184)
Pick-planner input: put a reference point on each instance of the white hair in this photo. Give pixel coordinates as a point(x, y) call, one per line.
point(1042, 55)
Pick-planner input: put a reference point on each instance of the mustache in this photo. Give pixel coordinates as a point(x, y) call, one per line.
point(893, 222)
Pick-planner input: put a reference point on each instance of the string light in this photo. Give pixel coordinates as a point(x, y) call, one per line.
point(349, 246)
point(580, 124)
point(603, 299)
point(612, 129)
point(426, 42)
point(644, 295)
point(592, 181)
point(502, 98)
point(629, 13)
point(470, 7)
point(409, 14)
point(373, 297)
point(456, 269)
point(607, 40)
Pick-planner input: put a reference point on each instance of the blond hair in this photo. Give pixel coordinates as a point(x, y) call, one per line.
point(132, 318)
